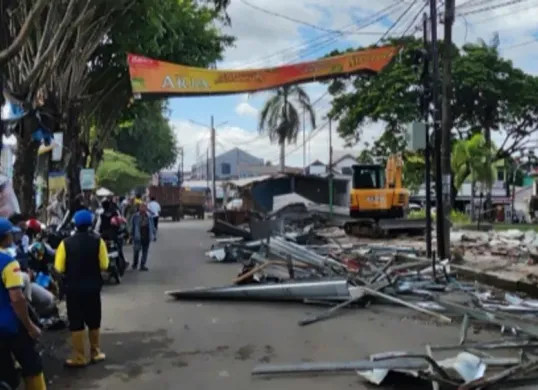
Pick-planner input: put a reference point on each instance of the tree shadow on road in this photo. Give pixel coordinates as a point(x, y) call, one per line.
point(127, 356)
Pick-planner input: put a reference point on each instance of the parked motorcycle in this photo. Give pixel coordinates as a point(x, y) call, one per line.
point(116, 268)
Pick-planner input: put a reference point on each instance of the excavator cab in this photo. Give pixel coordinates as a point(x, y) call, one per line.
point(369, 176)
point(378, 202)
point(377, 191)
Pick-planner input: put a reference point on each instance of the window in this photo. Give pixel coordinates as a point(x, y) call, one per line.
point(347, 171)
point(368, 177)
point(500, 174)
point(225, 169)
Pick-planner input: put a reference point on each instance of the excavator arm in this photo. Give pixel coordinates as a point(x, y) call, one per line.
point(394, 171)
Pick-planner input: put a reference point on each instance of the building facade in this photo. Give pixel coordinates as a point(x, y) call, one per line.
point(235, 163)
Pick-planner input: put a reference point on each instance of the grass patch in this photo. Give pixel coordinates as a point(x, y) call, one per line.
point(456, 217)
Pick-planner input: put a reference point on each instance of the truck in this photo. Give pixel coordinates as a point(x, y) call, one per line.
point(176, 202)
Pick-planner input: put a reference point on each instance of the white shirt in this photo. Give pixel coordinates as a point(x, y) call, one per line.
point(154, 208)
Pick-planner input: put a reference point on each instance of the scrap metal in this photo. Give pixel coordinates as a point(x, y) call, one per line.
point(293, 260)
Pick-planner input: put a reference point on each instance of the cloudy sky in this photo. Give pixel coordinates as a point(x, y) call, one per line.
point(265, 39)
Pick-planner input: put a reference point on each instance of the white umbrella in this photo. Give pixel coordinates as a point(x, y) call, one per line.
point(103, 192)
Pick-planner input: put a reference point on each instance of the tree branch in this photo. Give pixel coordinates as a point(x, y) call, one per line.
point(8, 53)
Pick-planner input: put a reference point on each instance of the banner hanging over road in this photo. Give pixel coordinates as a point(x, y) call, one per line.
point(163, 79)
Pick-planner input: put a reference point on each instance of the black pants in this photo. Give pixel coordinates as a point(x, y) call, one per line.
point(23, 348)
point(83, 310)
point(156, 222)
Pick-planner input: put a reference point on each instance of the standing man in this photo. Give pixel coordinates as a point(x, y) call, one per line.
point(18, 333)
point(81, 258)
point(155, 209)
point(143, 232)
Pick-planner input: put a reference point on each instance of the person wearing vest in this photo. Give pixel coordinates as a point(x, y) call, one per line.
point(81, 258)
point(18, 333)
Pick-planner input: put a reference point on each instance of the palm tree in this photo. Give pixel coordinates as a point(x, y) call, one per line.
point(472, 158)
point(280, 119)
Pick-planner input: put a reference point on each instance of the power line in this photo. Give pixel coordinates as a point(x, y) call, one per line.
point(327, 39)
point(511, 12)
point(307, 24)
point(406, 11)
point(415, 18)
point(492, 7)
point(260, 136)
point(526, 43)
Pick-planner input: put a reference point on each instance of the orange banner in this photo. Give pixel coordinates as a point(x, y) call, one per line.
point(152, 77)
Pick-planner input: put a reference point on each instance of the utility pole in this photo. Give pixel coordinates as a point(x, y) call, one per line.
point(446, 144)
point(207, 167)
point(437, 134)
point(331, 184)
point(182, 166)
point(214, 164)
point(425, 107)
point(304, 140)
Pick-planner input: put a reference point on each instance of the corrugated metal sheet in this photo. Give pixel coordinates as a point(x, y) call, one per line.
point(249, 180)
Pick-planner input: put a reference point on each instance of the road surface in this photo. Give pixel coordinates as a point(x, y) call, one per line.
point(153, 342)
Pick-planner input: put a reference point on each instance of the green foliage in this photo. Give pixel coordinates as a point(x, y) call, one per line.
point(456, 217)
point(280, 118)
point(413, 171)
point(470, 159)
point(118, 172)
point(147, 136)
point(179, 31)
point(488, 93)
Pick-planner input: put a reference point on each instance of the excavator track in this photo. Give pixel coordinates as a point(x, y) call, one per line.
point(383, 228)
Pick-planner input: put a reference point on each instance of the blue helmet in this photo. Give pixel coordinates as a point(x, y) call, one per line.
point(83, 218)
point(6, 226)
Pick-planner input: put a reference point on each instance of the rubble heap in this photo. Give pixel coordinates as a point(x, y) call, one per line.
point(293, 255)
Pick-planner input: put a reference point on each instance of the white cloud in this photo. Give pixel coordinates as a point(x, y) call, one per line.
point(264, 40)
point(245, 109)
point(228, 137)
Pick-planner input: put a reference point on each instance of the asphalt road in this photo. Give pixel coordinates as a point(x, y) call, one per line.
point(153, 342)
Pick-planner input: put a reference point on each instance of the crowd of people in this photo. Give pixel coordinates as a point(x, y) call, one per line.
point(30, 268)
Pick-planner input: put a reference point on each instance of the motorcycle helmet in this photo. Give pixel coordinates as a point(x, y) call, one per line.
point(37, 250)
point(115, 221)
point(33, 225)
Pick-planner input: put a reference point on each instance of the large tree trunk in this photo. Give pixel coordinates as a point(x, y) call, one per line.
point(24, 167)
point(76, 157)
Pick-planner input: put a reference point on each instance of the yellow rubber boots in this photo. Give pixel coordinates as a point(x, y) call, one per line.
point(78, 357)
point(35, 382)
point(95, 346)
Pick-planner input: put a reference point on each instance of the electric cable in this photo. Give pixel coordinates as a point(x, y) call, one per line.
point(521, 44)
point(414, 21)
point(326, 39)
point(395, 23)
point(307, 24)
point(261, 136)
point(492, 7)
point(512, 12)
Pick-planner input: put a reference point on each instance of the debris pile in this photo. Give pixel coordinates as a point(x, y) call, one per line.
point(293, 256)
point(512, 243)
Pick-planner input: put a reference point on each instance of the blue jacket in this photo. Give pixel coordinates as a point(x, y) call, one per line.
point(135, 227)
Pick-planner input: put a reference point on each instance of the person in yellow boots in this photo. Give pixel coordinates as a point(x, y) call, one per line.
point(18, 333)
point(81, 258)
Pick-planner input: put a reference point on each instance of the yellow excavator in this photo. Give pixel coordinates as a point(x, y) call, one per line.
point(378, 203)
